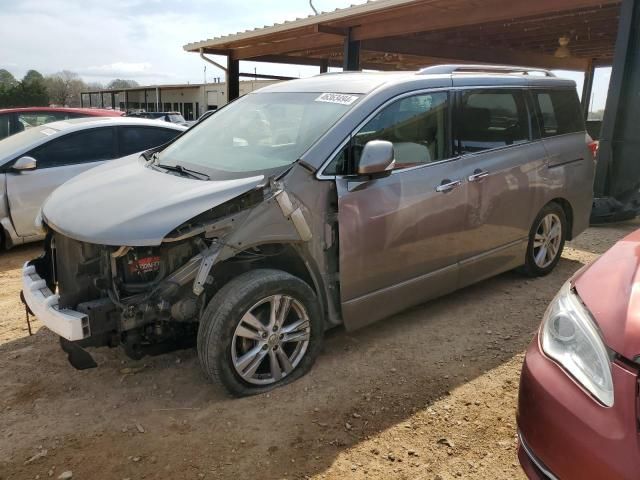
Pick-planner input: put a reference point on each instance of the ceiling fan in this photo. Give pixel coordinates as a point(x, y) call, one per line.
point(563, 50)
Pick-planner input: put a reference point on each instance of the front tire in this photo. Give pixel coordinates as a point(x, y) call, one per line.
point(262, 330)
point(546, 241)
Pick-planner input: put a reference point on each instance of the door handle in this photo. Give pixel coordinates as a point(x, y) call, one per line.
point(478, 175)
point(447, 187)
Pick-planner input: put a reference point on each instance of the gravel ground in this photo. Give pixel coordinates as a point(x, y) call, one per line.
point(428, 394)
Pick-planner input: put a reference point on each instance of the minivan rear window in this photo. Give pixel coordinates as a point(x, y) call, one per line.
point(489, 119)
point(560, 112)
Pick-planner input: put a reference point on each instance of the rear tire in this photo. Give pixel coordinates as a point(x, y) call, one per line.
point(262, 330)
point(546, 241)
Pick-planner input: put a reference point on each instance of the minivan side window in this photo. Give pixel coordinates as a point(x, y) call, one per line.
point(137, 139)
point(80, 147)
point(559, 112)
point(417, 127)
point(487, 119)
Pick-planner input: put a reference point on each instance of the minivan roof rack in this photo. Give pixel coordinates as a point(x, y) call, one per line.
point(462, 68)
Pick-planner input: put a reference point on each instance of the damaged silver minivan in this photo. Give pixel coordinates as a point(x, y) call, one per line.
point(338, 199)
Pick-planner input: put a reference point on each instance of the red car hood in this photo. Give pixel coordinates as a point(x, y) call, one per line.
point(610, 288)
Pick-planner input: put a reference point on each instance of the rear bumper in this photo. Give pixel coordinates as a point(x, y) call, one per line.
point(565, 433)
point(67, 323)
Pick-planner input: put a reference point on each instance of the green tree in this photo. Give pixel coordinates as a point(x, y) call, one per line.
point(6, 79)
point(7, 87)
point(33, 91)
point(29, 92)
point(32, 76)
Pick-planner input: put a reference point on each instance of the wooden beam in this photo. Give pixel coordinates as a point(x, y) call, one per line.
point(425, 17)
point(603, 62)
point(483, 55)
point(342, 32)
point(294, 60)
point(216, 51)
point(266, 77)
point(288, 46)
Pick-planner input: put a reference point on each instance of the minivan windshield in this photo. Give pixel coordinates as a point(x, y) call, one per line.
point(258, 133)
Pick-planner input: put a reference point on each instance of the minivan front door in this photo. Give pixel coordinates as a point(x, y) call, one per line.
point(398, 235)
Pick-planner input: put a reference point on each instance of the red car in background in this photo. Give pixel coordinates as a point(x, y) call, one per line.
point(578, 407)
point(15, 120)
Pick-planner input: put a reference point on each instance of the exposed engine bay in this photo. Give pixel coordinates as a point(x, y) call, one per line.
point(140, 297)
point(149, 299)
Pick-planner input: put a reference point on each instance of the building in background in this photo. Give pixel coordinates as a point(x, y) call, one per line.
point(191, 100)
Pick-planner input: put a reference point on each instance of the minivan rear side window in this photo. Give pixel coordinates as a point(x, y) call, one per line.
point(487, 119)
point(559, 112)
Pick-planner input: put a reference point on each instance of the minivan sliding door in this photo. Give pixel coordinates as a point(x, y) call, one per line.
point(502, 166)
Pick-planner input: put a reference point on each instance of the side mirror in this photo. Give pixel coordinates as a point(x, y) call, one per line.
point(377, 159)
point(24, 164)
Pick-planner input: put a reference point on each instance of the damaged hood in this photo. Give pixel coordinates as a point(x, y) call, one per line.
point(610, 288)
point(124, 202)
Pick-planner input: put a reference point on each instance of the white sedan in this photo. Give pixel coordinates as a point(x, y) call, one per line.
point(35, 162)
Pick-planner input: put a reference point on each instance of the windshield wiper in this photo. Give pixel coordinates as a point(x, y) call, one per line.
point(184, 171)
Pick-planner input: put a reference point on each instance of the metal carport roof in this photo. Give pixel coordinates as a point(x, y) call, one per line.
point(407, 34)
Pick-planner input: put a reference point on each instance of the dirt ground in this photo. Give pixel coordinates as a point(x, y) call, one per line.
point(429, 394)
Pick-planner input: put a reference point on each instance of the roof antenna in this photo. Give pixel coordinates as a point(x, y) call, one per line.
point(312, 7)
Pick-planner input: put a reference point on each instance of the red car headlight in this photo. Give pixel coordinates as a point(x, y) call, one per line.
point(570, 336)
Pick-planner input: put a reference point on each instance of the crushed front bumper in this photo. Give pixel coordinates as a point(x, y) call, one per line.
point(67, 323)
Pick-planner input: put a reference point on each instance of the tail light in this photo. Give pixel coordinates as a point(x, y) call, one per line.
point(592, 144)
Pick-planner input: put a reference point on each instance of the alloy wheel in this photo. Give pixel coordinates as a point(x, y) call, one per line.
point(547, 240)
point(270, 340)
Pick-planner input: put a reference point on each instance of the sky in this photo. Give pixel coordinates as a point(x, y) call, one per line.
point(136, 39)
point(142, 39)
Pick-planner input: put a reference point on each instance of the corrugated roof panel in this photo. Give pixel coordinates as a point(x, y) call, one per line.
point(338, 14)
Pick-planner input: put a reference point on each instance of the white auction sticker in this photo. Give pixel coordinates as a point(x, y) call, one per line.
point(48, 131)
point(340, 98)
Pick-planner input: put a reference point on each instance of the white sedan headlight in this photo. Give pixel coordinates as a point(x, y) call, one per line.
point(569, 336)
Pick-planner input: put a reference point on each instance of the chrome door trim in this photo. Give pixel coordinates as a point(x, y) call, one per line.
point(476, 177)
point(320, 171)
point(447, 187)
point(405, 283)
point(493, 251)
